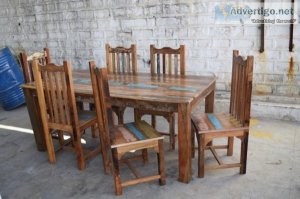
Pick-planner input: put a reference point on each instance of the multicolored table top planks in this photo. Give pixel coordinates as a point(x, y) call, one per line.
point(169, 89)
point(163, 89)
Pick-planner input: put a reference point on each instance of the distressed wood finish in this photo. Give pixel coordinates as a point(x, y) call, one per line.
point(209, 126)
point(143, 91)
point(31, 99)
point(165, 61)
point(26, 63)
point(56, 99)
point(120, 60)
point(123, 138)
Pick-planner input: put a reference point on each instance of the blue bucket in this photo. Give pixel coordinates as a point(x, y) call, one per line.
point(11, 77)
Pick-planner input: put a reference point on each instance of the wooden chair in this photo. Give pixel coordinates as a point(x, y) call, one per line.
point(124, 138)
point(228, 125)
point(57, 104)
point(165, 61)
point(121, 60)
point(26, 63)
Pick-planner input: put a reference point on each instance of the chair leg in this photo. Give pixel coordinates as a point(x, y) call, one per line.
point(244, 150)
point(153, 121)
point(201, 153)
point(172, 131)
point(50, 148)
point(193, 141)
point(145, 156)
point(116, 172)
point(230, 146)
point(120, 114)
point(92, 106)
point(93, 129)
point(137, 115)
point(161, 163)
point(79, 105)
point(79, 150)
point(61, 138)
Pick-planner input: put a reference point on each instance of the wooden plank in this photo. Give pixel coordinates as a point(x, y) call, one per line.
point(123, 63)
point(152, 60)
point(182, 60)
point(114, 68)
point(47, 55)
point(127, 62)
point(146, 129)
point(158, 63)
point(170, 64)
point(176, 65)
point(118, 63)
point(47, 95)
point(65, 101)
point(126, 135)
point(132, 128)
point(134, 59)
point(143, 144)
point(53, 93)
point(59, 91)
point(214, 120)
point(108, 58)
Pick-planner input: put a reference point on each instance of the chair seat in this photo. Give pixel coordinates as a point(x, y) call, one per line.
point(216, 122)
point(135, 132)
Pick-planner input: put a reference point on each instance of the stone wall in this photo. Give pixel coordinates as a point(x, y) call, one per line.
point(77, 30)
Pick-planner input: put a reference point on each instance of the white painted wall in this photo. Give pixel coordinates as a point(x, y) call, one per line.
point(77, 30)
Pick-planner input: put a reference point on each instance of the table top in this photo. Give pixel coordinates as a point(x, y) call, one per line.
point(163, 88)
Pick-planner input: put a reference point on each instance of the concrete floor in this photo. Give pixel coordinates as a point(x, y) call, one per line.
point(273, 168)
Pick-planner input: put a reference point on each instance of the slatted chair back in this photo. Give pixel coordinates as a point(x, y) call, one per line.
point(167, 60)
point(241, 88)
point(101, 94)
point(121, 60)
point(56, 95)
point(26, 63)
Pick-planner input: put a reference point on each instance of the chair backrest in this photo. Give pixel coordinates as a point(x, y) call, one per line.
point(26, 63)
point(241, 87)
point(121, 60)
point(56, 96)
point(167, 60)
point(101, 94)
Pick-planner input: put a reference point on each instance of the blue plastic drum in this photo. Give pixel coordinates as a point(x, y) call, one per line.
point(11, 77)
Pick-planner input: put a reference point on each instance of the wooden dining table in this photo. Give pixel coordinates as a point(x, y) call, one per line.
point(161, 92)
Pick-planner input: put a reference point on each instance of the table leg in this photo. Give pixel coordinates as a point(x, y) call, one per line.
point(184, 143)
point(209, 102)
point(35, 118)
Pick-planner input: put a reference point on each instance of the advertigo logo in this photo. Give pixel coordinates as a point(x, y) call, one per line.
point(253, 13)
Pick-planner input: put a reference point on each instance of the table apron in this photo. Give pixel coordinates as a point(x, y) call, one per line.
point(146, 105)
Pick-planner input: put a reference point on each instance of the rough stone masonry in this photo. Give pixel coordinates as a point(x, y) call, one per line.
point(77, 30)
